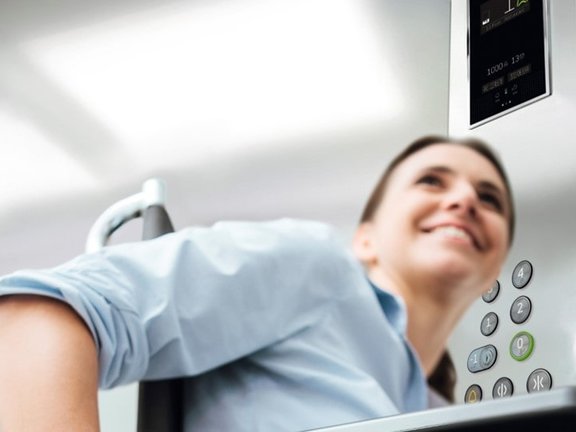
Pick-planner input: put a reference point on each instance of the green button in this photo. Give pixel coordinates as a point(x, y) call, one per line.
point(521, 346)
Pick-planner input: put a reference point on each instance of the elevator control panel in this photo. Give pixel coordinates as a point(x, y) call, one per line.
point(508, 56)
point(517, 347)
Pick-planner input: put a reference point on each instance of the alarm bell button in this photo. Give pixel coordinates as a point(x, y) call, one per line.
point(473, 394)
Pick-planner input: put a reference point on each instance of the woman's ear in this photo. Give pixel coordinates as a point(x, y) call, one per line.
point(363, 244)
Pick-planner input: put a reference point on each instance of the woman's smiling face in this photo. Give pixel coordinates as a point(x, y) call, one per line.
point(445, 213)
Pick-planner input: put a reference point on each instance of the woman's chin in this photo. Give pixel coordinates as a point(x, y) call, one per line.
point(452, 267)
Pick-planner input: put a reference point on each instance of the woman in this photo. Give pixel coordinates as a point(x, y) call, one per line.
point(281, 327)
point(430, 198)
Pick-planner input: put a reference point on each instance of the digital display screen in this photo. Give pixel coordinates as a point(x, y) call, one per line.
point(508, 57)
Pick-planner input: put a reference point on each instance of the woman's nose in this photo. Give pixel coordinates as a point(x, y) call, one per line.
point(462, 198)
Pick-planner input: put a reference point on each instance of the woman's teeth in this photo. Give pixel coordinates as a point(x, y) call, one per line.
point(454, 232)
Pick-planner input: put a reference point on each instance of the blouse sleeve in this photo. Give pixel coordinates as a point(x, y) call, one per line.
point(190, 301)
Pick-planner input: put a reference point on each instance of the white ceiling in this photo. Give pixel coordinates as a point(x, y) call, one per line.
point(247, 108)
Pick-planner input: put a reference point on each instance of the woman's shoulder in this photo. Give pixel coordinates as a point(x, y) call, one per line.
point(284, 233)
point(303, 241)
point(292, 226)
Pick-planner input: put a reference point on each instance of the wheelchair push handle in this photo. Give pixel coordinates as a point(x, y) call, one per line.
point(148, 204)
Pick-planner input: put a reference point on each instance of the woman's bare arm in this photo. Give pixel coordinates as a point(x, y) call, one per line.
point(48, 367)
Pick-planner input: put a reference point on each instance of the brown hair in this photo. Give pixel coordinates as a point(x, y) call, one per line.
point(475, 144)
point(443, 379)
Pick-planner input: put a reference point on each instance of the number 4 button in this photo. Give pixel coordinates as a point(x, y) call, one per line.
point(522, 274)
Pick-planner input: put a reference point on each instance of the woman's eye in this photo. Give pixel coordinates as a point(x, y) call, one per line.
point(430, 180)
point(491, 200)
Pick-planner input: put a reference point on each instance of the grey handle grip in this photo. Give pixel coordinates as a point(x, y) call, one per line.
point(156, 222)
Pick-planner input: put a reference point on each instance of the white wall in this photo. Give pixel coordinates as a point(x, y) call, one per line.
point(537, 146)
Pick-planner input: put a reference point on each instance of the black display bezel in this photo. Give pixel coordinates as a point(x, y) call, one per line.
point(508, 57)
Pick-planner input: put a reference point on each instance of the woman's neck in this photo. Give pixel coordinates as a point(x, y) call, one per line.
point(431, 317)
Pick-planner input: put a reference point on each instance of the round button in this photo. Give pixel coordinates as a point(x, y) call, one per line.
point(503, 388)
point(482, 358)
point(522, 274)
point(490, 295)
point(539, 380)
point(489, 323)
point(520, 310)
point(521, 346)
point(473, 394)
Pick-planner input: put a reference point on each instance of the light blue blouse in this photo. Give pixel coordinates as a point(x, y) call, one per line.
point(275, 320)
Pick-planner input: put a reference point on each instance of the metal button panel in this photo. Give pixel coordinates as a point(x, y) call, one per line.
point(521, 345)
